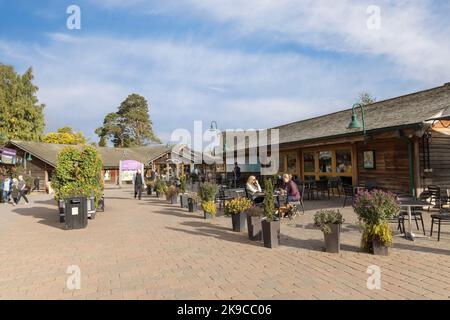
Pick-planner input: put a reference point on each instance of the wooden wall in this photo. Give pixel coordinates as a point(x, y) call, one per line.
point(392, 164)
point(439, 160)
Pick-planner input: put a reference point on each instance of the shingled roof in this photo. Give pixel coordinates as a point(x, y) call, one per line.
point(404, 111)
point(48, 152)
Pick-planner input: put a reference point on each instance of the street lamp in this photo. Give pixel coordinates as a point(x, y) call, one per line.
point(354, 123)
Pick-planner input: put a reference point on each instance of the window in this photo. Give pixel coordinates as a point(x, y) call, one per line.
point(343, 161)
point(325, 160)
point(308, 162)
point(292, 162)
point(282, 163)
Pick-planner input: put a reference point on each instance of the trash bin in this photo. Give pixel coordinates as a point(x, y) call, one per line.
point(90, 207)
point(62, 210)
point(76, 213)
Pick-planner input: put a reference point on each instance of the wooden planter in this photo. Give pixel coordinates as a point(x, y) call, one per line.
point(238, 221)
point(254, 228)
point(379, 249)
point(207, 215)
point(271, 233)
point(333, 239)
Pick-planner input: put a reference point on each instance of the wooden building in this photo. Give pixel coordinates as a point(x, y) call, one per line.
point(402, 150)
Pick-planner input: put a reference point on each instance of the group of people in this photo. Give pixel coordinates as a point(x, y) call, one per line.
point(289, 186)
point(14, 189)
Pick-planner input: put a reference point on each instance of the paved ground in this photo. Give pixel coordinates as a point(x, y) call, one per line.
point(150, 249)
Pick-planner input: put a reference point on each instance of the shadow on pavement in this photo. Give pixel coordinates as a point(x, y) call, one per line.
point(45, 215)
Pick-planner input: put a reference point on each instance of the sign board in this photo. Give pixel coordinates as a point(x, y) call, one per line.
point(8, 156)
point(128, 169)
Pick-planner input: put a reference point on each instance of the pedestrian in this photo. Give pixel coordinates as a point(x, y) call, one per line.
point(22, 186)
point(237, 174)
point(15, 191)
point(138, 184)
point(6, 187)
point(36, 184)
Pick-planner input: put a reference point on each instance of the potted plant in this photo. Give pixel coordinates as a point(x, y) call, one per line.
point(329, 221)
point(254, 215)
point(374, 209)
point(183, 194)
point(270, 224)
point(236, 208)
point(171, 194)
point(207, 195)
point(193, 201)
point(160, 187)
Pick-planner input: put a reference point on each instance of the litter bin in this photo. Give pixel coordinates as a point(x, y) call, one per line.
point(76, 213)
point(90, 207)
point(62, 210)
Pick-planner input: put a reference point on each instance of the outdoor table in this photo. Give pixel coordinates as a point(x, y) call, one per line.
point(408, 204)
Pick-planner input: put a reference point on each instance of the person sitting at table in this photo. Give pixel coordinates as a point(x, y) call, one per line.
point(292, 192)
point(253, 187)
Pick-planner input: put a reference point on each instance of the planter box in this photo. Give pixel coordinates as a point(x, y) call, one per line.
point(173, 200)
point(254, 228)
point(149, 190)
point(271, 233)
point(184, 200)
point(207, 215)
point(333, 239)
point(379, 249)
point(238, 221)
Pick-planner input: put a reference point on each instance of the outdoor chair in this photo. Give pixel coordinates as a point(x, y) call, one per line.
point(335, 184)
point(297, 204)
point(349, 193)
point(435, 195)
point(416, 214)
point(221, 198)
point(322, 188)
point(441, 218)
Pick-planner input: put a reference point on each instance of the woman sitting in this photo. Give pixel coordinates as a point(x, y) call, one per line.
point(292, 192)
point(253, 188)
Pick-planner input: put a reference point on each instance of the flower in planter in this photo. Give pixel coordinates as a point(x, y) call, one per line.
point(237, 205)
point(324, 218)
point(195, 197)
point(171, 191)
point(374, 209)
point(209, 207)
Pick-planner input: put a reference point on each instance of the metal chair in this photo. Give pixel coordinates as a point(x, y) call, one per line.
point(435, 195)
point(416, 214)
point(335, 184)
point(322, 188)
point(349, 192)
point(441, 218)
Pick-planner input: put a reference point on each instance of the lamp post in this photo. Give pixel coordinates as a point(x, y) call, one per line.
point(354, 123)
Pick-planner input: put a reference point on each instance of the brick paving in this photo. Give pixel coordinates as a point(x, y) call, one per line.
point(150, 249)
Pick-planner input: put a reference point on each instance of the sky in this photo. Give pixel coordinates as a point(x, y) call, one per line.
point(244, 64)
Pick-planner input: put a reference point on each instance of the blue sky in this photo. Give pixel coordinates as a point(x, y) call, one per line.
point(245, 64)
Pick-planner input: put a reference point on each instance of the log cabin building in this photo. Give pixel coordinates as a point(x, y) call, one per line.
point(38, 159)
point(406, 145)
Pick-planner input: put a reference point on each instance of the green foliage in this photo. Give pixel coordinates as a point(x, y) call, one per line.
point(130, 125)
point(195, 197)
point(160, 186)
point(208, 191)
point(21, 114)
point(78, 173)
point(65, 135)
point(324, 218)
point(374, 209)
point(183, 180)
point(269, 201)
point(237, 205)
point(209, 207)
point(171, 191)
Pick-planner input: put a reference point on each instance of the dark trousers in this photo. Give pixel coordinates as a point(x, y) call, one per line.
point(22, 194)
point(138, 191)
point(36, 187)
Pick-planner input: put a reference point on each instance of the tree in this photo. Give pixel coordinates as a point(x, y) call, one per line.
point(130, 125)
point(366, 98)
point(21, 114)
point(65, 135)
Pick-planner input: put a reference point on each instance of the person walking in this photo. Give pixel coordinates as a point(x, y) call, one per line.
point(22, 187)
point(6, 187)
point(36, 184)
point(15, 191)
point(237, 174)
point(138, 184)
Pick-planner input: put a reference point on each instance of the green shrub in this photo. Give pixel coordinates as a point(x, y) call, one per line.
point(208, 192)
point(269, 201)
point(160, 186)
point(78, 173)
point(183, 180)
point(374, 209)
point(171, 191)
point(324, 218)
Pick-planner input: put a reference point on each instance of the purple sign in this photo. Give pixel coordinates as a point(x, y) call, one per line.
point(8, 152)
point(129, 165)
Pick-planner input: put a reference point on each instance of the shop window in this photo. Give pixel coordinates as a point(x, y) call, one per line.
point(325, 160)
point(308, 162)
point(343, 161)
